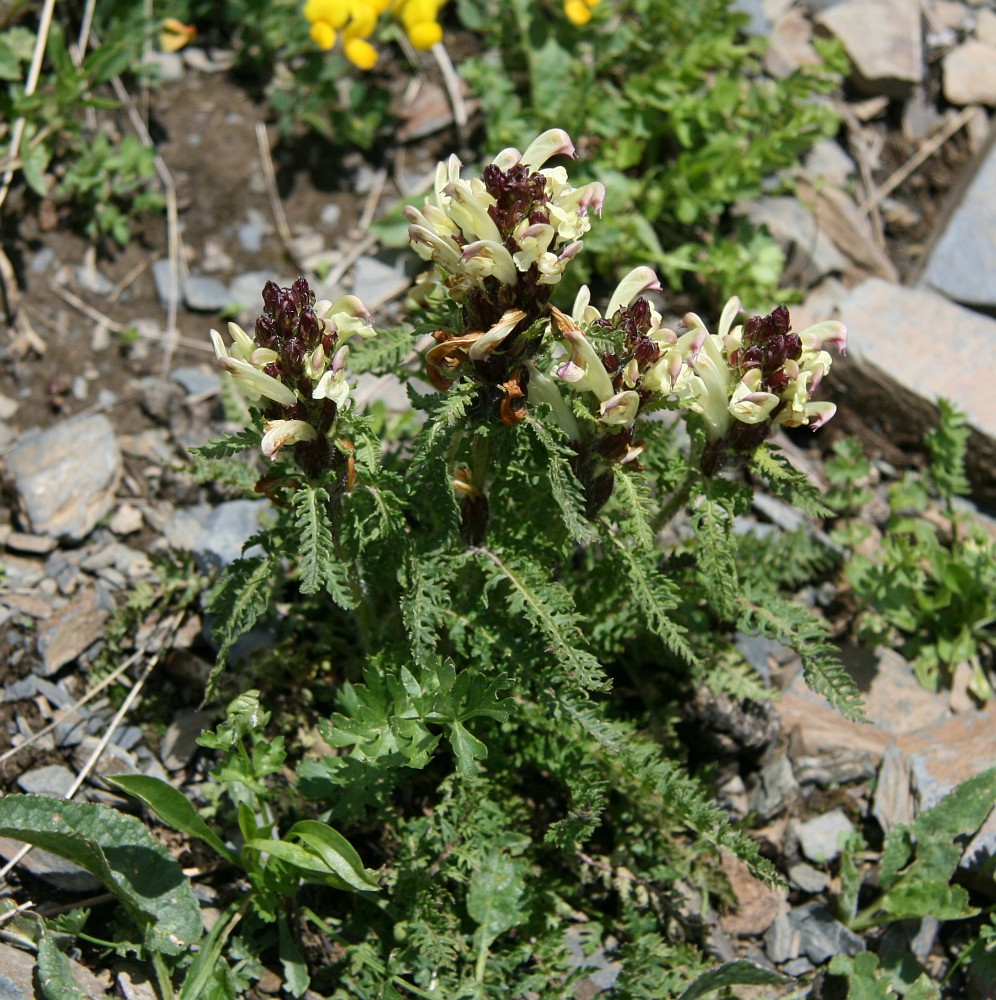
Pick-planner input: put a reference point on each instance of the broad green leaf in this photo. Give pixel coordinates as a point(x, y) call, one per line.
point(55, 973)
point(121, 853)
point(960, 812)
point(467, 748)
point(173, 808)
point(336, 852)
point(864, 981)
point(309, 863)
point(912, 898)
point(740, 973)
point(296, 978)
point(495, 894)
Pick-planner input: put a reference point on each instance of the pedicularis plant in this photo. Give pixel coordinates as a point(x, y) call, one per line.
point(491, 605)
point(488, 618)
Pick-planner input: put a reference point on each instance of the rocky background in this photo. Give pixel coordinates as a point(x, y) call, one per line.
point(891, 229)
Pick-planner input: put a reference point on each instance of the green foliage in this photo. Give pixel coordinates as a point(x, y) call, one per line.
point(919, 862)
point(677, 120)
point(119, 851)
point(105, 179)
point(933, 592)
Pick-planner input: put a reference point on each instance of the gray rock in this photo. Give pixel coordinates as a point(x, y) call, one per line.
point(790, 45)
point(185, 526)
point(65, 477)
point(225, 531)
point(970, 74)
point(8, 407)
point(204, 294)
point(71, 630)
point(34, 545)
point(828, 163)
point(252, 232)
point(759, 652)
point(605, 970)
point(757, 23)
point(923, 766)
point(179, 742)
point(884, 41)
point(215, 61)
point(93, 281)
point(820, 838)
point(23, 574)
point(961, 261)
point(775, 786)
point(330, 215)
point(41, 261)
point(128, 562)
point(32, 685)
point(168, 66)
point(246, 291)
point(53, 780)
point(781, 940)
point(114, 759)
point(375, 281)
point(196, 379)
point(821, 935)
point(160, 275)
point(794, 227)
point(895, 367)
point(807, 878)
point(50, 868)
point(797, 967)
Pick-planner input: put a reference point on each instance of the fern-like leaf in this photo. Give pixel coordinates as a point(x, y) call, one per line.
point(716, 551)
point(656, 594)
point(229, 444)
point(548, 607)
point(321, 566)
point(787, 482)
point(563, 484)
point(776, 617)
point(236, 603)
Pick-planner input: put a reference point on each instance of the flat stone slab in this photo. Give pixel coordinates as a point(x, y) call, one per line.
point(906, 347)
point(65, 476)
point(883, 39)
point(961, 261)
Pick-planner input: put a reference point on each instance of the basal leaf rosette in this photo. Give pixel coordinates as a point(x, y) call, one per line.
point(750, 377)
point(292, 370)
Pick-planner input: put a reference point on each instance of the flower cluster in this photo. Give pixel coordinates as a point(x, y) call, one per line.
point(741, 380)
point(579, 11)
point(503, 240)
point(749, 377)
point(293, 368)
point(357, 20)
point(500, 243)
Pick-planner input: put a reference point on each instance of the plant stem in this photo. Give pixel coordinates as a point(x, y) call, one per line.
point(677, 500)
point(163, 978)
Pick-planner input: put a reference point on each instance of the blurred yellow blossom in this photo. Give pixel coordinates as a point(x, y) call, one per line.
point(579, 11)
point(357, 20)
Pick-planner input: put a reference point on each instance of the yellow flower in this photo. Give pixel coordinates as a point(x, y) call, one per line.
point(175, 34)
point(579, 11)
point(360, 53)
point(425, 34)
point(323, 35)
